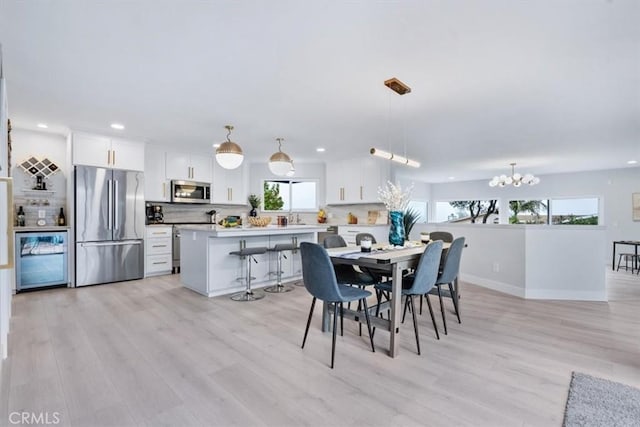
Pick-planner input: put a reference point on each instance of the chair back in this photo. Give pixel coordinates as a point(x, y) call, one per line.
point(318, 274)
point(445, 236)
point(452, 261)
point(427, 271)
point(361, 236)
point(334, 241)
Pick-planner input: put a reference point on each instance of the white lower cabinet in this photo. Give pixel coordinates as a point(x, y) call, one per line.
point(158, 255)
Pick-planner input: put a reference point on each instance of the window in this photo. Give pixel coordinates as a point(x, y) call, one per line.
point(290, 195)
point(528, 212)
point(420, 207)
point(574, 211)
point(471, 211)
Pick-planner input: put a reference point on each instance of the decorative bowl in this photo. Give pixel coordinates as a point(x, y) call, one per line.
point(259, 221)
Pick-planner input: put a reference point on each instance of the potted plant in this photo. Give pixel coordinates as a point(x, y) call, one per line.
point(254, 201)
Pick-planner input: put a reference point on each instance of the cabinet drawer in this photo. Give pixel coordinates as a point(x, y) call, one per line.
point(158, 263)
point(152, 232)
point(157, 246)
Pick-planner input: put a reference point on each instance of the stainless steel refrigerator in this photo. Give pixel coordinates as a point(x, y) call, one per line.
point(109, 225)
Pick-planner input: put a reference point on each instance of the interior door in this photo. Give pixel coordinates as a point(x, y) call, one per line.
point(128, 202)
point(94, 210)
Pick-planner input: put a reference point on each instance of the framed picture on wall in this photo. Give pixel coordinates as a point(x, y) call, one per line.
point(635, 206)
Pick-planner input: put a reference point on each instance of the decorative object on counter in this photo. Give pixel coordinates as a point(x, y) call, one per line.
point(254, 201)
point(40, 184)
point(352, 219)
point(229, 154)
point(62, 221)
point(424, 237)
point(259, 221)
point(230, 221)
point(322, 216)
point(282, 220)
point(20, 217)
point(41, 222)
point(44, 167)
point(280, 163)
point(396, 201)
point(410, 218)
point(515, 179)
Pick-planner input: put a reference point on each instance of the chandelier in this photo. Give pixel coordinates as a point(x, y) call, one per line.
point(229, 154)
point(514, 179)
point(280, 163)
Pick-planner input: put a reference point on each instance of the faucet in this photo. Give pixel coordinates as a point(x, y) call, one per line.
point(297, 218)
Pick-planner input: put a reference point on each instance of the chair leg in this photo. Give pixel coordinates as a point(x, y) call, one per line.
point(444, 320)
point(366, 316)
point(454, 298)
point(433, 318)
point(415, 321)
point(420, 305)
point(406, 306)
point(335, 327)
point(341, 320)
point(306, 331)
point(379, 297)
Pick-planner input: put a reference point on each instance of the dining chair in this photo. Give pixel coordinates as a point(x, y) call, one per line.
point(320, 280)
point(347, 274)
point(445, 236)
point(419, 283)
point(361, 236)
point(448, 275)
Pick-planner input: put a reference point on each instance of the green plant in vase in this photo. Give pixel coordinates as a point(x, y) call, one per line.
point(396, 200)
point(254, 201)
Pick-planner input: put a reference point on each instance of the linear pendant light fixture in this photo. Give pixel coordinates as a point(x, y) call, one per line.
point(401, 89)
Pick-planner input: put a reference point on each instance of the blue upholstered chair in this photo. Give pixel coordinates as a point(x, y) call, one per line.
point(420, 283)
point(445, 236)
point(347, 274)
point(320, 280)
point(448, 275)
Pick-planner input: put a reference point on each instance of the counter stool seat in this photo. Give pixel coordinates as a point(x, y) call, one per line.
point(248, 294)
point(279, 249)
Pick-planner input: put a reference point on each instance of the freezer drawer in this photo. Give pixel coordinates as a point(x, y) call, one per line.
point(105, 262)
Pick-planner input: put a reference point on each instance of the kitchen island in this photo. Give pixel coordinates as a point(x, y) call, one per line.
point(207, 268)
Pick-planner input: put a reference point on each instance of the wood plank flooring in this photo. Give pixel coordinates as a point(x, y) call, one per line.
point(151, 352)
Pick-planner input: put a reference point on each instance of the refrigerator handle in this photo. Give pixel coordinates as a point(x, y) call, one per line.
point(10, 249)
point(110, 243)
point(110, 204)
point(115, 201)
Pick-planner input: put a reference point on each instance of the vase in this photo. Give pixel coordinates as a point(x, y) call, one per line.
point(253, 212)
point(396, 230)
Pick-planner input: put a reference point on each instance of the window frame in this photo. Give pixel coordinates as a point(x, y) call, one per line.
point(290, 181)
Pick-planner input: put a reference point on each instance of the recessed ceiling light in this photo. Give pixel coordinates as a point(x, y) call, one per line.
point(320, 150)
point(216, 145)
point(42, 125)
point(632, 162)
point(117, 126)
point(452, 177)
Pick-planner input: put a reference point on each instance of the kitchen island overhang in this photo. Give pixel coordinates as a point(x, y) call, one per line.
point(209, 269)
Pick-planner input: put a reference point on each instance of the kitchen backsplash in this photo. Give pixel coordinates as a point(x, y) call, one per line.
point(337, 215)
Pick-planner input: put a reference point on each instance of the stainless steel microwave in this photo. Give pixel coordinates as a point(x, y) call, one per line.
point(190, 192)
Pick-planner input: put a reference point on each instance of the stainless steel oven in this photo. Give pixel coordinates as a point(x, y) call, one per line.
point(190, 192)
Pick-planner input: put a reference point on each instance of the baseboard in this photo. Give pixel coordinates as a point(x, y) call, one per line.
point(494, 285)
point(564, 294)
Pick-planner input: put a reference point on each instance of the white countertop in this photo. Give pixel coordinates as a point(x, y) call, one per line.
point(219, 231)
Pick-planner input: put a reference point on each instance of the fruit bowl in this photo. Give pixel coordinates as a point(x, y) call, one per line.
point(259, 221)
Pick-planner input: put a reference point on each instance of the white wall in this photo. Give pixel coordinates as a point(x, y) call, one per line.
point(613, 187)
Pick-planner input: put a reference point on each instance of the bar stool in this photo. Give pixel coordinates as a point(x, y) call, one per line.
point(248, 294)
point(628, 257)
point(279, 248)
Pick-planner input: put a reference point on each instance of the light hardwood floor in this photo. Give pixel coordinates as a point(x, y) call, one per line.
point(150, 352)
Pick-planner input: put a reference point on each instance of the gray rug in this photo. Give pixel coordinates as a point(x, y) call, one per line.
point(598, 402)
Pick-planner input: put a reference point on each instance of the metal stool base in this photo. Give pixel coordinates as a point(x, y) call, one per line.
point(247, 296)
point(278, 289)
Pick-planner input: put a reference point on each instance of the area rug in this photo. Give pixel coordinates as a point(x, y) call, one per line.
point(598, 402)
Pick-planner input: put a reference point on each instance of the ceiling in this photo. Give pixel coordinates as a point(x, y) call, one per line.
point(553, 85)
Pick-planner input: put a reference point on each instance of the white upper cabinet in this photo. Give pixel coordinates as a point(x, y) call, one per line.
point(355, 180)
point(106, 152)
point(156, 184)
point(189, 167)
point(228, 186)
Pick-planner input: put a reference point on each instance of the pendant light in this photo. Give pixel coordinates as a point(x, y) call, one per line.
point(280, 163)
point(229, 154)
point(292, 171)
point(514, 179)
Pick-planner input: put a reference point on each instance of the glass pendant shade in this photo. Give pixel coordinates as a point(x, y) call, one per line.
point(515, 179)
point(280, 163)
point(229, 155)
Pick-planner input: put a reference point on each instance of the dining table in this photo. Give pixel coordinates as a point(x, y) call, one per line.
point(392, 260)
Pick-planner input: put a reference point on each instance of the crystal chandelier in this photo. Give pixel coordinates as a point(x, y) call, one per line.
point(515, 179)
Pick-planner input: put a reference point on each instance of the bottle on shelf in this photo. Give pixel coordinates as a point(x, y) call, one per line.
point(20, 217)
point(62, 221)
